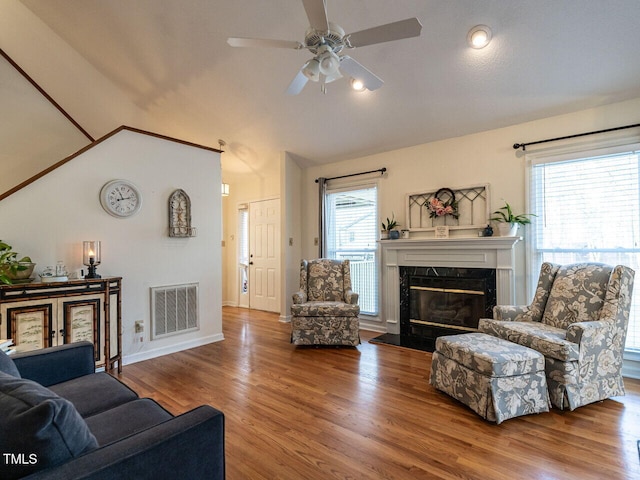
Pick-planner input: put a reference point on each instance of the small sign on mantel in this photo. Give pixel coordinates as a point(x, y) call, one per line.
point(442, 231)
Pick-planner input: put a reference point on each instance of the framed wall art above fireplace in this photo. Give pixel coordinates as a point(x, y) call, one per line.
point(472, 209)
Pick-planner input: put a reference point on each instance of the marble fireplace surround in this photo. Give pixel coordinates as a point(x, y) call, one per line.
point(473, 252)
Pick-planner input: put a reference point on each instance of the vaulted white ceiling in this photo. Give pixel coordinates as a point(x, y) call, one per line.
point(170, 57)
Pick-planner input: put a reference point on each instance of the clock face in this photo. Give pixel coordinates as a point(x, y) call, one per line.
point(120, 198)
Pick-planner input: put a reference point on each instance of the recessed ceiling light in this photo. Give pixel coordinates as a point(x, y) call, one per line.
point(357, 85)
point(479, 36)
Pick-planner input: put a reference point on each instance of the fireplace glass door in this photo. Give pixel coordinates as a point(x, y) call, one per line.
point(437, 301)
point(447, 305)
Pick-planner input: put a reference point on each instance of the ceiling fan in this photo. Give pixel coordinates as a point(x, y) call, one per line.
point(327, 40)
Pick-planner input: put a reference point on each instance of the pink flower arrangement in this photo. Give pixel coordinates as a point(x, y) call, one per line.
point(438, 208)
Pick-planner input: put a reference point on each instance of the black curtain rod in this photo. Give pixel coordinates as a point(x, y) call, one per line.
point(525, 145)
point(381, 170)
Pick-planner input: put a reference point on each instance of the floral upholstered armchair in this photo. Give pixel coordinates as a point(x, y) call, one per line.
point(325, 310)
point(578, 320)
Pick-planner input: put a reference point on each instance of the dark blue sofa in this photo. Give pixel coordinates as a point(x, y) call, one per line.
point(59, 419)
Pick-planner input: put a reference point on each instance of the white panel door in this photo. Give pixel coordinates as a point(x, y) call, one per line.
point(264, 255)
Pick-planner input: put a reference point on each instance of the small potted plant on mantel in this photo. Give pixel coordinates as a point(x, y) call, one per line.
point(11, 269)
point(508, 223)
point(389, 229)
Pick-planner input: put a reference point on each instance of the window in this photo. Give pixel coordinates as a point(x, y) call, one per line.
point(243, 256)
point(351, 233)
point(588, 209)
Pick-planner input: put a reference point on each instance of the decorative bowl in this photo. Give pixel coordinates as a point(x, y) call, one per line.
point(23, 274)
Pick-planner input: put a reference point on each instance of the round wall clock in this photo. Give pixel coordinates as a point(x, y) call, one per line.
point(120, 198)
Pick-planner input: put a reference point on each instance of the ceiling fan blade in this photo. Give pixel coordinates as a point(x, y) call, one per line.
point(263, 42)
point(408, 28)
point(317, 14)
point(297, 84)
point(356, 70)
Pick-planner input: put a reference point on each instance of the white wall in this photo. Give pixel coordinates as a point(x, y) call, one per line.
point(292, 233)
point(49, 219)
point(486, 157)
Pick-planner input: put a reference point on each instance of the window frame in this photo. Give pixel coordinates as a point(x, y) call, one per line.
point(346, 186)
point(609, 145)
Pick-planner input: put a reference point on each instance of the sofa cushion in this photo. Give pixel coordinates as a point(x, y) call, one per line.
point(577, 294)
point(7, 365)
point(548, 340)
point(126, 419)
point(324, 309)
point(38, 427)
point(94, 393)
point(489, 355)
point(325, 281)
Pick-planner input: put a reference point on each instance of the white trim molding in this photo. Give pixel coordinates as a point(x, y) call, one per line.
point(472, 252)
point(631, 364)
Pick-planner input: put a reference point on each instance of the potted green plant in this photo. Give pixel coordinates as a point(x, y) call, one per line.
point(12, 269)
point(508, 222)
point(389, 229)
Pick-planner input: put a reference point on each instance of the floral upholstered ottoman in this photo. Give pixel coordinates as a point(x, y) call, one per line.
point(497, 379)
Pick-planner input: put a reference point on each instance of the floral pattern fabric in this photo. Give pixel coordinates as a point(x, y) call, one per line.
point(581, 333)
point(550, 341)
point(534, 311)
point(325, 310)
point(330, 330)
point(577, 294)
point(497, 379)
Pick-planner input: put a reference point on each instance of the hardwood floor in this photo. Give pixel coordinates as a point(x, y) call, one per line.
point(370, 413)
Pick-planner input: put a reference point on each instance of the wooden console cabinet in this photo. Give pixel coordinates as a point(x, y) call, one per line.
point(39, 315)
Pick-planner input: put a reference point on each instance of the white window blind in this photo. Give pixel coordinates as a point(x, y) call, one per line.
point(351, 232)
point(588, 209)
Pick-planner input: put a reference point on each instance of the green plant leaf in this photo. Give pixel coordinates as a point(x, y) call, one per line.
point(505, 215)
point(9, 265)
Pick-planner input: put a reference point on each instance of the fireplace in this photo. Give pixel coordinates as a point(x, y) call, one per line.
point(437, 301)
point(461, 254)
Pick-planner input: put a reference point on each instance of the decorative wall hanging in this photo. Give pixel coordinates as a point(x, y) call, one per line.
point(461, 208)
point(443, 203)
point(180, 215)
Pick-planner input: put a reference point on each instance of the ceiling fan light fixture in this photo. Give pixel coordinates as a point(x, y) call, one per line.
point(479, 36)
point(333, 76)
point(327, 41)
point(311, 70)
point(329, 62)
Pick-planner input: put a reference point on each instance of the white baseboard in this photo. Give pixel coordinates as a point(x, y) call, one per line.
point(178, 347)
point(229, 304)
point(285, 318)
point(372, 326)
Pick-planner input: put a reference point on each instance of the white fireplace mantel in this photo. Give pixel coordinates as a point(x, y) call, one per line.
point(481, 252)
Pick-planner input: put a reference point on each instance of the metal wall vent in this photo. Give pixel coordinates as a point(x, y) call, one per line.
point(174, 310)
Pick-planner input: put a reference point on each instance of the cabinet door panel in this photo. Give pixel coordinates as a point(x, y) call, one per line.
point(29, 326)
point(81, 320)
